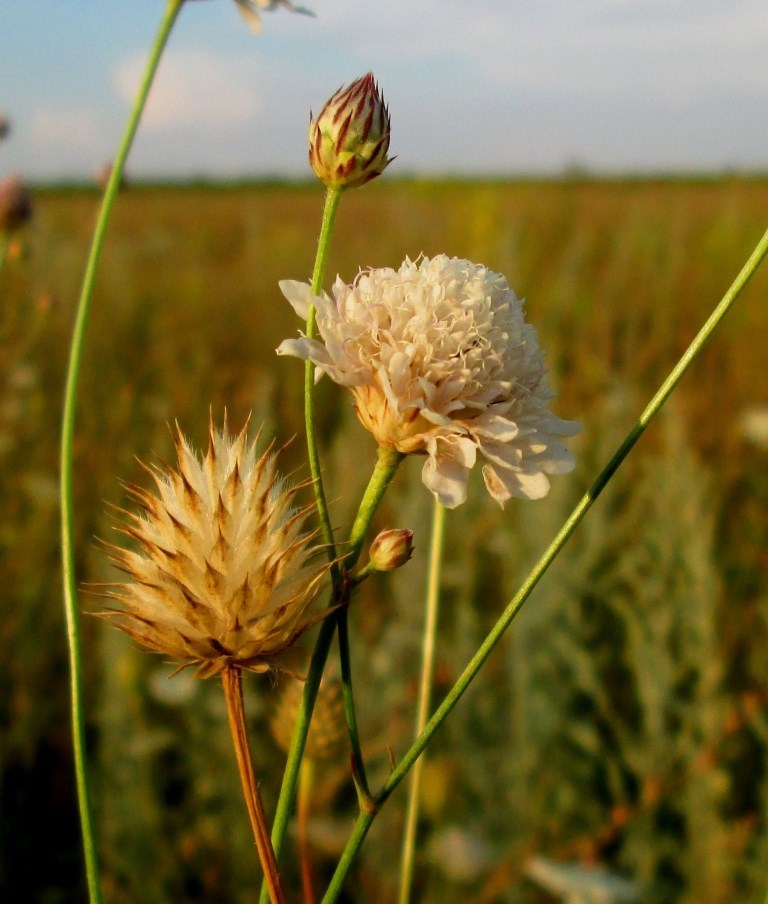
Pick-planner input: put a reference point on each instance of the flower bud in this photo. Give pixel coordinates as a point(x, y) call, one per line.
point(15, 204)
point(391, 549)
point(348, 142)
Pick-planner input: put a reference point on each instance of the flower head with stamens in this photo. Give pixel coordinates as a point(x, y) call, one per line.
point(442, 363)
point(224, 575)
point(251, 10)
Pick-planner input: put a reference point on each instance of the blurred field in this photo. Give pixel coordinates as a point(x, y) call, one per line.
point(624, 722)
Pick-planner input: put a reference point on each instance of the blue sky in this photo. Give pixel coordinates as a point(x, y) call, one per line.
point(488, 86)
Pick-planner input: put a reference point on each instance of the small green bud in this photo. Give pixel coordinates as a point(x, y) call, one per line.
point(348, 142)
point(391, 549)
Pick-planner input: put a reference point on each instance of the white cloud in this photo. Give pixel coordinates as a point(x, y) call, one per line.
point(194, 88)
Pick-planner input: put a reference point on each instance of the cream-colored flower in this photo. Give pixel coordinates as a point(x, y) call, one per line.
point(223, 575)
point(251, 10)
point(442, 363)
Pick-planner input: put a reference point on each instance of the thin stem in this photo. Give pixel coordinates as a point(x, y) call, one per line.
point(432, 608)
point(306, 782)
point(232, 681)
point(332, 198)
point(66, 453)
point(358, 764)
point(364, 820)
point(387, 463)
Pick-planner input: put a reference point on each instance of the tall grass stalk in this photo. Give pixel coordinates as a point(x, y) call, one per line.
point(366, 817)
point(431, 610)
point(170, 14)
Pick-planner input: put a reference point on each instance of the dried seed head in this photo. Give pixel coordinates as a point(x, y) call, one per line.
point(15, 204)
point(223, 575)
point(328, 731)
point(348, 142)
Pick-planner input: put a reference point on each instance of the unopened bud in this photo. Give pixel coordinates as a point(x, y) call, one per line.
point(348, 142)
point(391, 549)
point(15, 204)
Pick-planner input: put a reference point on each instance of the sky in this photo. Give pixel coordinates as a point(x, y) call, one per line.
point(480, 87)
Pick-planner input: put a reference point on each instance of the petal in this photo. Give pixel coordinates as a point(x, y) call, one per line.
point(249, 13)
point(446, 470)
point(503, 483)
point(299, 294)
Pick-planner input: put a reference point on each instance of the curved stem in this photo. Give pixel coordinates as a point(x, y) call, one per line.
point(66, 453)
point(386, 465)
point(432, 609)
point(232, 681)
point(364, 820)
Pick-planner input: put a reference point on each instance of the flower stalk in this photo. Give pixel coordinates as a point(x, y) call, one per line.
point(432, 608)
point(232, 682)
point(170, 14)
point(330, 209)
point(365, 818)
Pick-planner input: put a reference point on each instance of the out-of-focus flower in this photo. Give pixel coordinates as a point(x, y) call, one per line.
point(442, 363)
point(391, 549)
point(223, 575)
point(15, 204)
point(5, 127)
point(349, 140)
point(753, 424)
point(327, 737)
point(251, 10)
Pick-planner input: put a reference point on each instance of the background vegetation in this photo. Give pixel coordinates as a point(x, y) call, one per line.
point(624, 722)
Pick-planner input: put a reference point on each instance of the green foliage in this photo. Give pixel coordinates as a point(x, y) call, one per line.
point(625, 719)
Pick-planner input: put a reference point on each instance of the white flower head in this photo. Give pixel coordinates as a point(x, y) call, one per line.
point(251, 9)
point(442, 363)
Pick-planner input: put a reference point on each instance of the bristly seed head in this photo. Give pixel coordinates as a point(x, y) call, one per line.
point(224, 575)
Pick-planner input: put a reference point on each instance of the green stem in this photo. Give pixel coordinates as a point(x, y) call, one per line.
point(358, 764)
point(66, 454)
point(432, 609)
point(332, 198)
point(364, 820)
point(386, 464)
